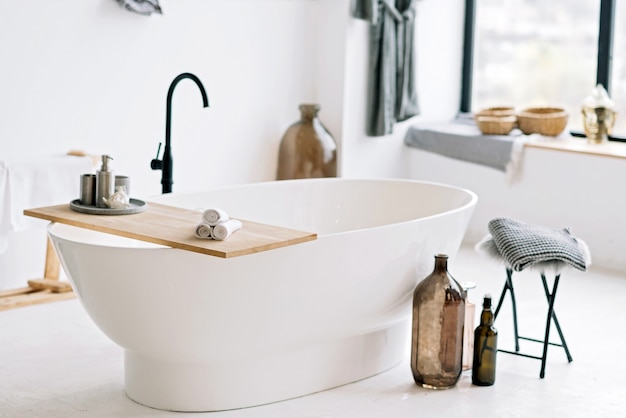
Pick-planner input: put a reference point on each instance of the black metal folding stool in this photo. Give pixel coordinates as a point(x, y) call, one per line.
point(551, 296)
point(520, 245)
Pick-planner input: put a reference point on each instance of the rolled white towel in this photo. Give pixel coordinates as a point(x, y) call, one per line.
point(214, 216)
point(223, 230)
point(204, 230)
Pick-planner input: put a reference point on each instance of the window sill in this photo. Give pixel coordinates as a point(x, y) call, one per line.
point(462, 140)
point(612, 149)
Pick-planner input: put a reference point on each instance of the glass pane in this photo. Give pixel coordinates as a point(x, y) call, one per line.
point(535, 53)
point(618, 69)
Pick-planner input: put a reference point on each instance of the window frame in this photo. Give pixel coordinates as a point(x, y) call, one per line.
point(604, 62)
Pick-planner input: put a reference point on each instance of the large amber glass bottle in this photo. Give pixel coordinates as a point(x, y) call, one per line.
point(307, 149)
point(437, 334)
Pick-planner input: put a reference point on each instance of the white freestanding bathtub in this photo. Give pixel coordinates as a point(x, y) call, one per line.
point(203, 333)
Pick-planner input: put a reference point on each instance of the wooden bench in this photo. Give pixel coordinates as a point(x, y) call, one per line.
point(47, 289)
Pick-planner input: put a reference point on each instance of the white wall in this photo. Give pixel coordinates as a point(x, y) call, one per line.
point(86, 74)
point(89, 75)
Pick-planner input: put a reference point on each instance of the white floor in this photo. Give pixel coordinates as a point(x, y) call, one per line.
point(55, 363)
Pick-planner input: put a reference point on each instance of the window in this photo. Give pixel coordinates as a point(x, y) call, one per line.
point(525, 53)
point(618, 73)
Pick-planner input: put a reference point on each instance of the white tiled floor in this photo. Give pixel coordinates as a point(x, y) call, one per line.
point(55, 363)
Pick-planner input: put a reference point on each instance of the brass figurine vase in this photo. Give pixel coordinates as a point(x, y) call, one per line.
point(598, 123)
point(598, 115)
point(307, 149)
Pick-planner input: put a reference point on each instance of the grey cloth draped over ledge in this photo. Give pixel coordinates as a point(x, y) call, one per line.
point(392, 93)
point(462, 140)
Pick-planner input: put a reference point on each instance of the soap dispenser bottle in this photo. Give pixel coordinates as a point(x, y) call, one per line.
point(105, 182)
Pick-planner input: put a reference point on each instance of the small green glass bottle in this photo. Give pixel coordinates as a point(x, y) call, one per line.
point(485, 347)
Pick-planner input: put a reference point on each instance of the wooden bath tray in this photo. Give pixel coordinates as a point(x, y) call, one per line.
point(174, 227)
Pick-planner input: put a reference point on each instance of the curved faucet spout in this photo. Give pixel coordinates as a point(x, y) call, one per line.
point(166, 164)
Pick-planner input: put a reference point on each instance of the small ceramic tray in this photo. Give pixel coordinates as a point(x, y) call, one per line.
point(136, 206)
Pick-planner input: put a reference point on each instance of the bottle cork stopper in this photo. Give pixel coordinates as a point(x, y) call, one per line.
point(487, 300)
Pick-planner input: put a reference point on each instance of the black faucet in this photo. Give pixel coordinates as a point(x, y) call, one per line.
point(166, 164)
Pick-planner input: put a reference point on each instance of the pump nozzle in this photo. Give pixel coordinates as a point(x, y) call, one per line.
point(105, 162)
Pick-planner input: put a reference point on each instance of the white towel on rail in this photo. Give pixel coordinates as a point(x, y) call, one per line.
point(36, 182)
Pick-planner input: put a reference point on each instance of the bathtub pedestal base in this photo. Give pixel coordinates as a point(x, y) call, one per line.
point(256, 379)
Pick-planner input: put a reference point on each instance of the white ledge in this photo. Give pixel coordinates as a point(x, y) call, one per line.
point(578, 145)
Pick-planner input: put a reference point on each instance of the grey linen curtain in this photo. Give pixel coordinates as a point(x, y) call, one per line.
point(392, 94)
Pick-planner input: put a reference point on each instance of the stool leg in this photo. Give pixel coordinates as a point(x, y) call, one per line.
point(551, 298)
point(508, 285)
point(555, 319)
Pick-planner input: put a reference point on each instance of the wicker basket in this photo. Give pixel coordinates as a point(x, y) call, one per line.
point(549, 121)
point(496, 125)
point(497, 111)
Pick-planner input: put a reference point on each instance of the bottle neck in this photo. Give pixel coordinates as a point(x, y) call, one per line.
point(308, 112)
point(486, 317)
point(441, 263)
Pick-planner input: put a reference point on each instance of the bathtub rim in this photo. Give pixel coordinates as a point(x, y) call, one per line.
point(120, 240)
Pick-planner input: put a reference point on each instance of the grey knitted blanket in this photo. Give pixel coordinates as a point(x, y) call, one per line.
point(523, 245)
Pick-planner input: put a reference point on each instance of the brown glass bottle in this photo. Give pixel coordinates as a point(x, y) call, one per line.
point(437, 332)
point(485, 347)
point(307, 149)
